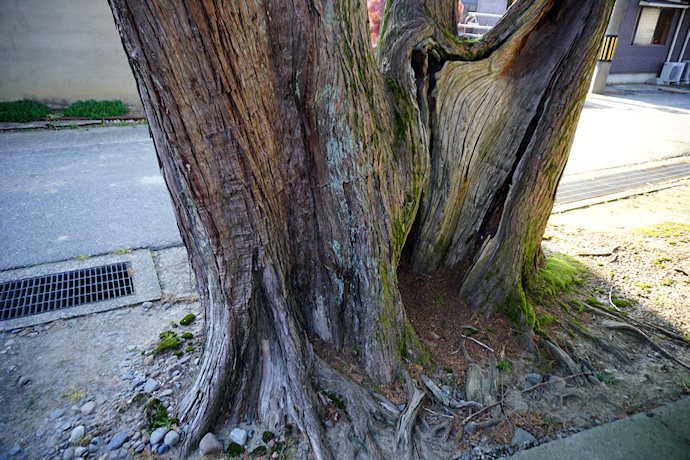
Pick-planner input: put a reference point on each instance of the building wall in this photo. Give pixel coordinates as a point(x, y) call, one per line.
point(635, 59)
point(61, 51)
point(491, 7)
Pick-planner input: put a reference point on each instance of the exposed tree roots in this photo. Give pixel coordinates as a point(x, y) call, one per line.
point(366, 412)
point(618, 326)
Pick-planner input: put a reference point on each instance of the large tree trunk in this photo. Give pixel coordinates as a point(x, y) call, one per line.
point(300, 164)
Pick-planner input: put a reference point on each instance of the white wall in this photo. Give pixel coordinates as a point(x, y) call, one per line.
point(61, 51)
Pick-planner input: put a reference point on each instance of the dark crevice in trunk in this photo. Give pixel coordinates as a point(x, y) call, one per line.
point(425, 67)
point(492, 218)
point(435, 65)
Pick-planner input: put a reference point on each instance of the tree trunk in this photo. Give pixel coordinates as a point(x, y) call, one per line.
point(299, 162)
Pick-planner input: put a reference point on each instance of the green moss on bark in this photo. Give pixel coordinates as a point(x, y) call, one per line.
point(559, 274)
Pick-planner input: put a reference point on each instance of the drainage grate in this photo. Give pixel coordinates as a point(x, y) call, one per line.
point(46, 293)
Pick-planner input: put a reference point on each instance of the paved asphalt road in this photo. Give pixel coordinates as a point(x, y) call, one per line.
point(626, 129)
point(92, 191)
point(80, 192)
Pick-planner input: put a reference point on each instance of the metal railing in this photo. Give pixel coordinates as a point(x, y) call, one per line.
point(472, 23)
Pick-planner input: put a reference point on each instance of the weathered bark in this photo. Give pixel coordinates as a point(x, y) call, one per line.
point(501, 114)
point(298, 163)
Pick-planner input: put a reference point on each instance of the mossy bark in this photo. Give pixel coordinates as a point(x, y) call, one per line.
point(299, 164)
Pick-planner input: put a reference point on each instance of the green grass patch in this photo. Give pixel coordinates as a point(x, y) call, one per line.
point(579, 306)
point(684, 384)
point(267, 436)
point(234, 450)
point(505, 366)
point(259, 452)
point(336, 400)
point(607, 377)
point(644, 286)
point(546, 319)
point(157, 416)
point(660, 261)
point(594, 302)
point(22, 111)
point(96, 109)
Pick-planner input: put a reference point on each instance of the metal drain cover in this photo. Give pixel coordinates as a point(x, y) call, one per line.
point(30, 296)
point(45, 293)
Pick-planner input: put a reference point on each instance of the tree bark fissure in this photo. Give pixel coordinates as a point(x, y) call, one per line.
point(300, 164)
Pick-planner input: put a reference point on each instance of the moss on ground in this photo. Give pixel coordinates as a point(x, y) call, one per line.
point(187, 320)
point(234, 449)
point(667, 230)
point(169, 341)
point(559, 274)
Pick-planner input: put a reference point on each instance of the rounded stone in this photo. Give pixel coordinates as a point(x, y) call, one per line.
point(77, 434)
point(117, 441)
point(519, 406)
point(533, 379)
point(239, 436)
point(151, 385)
point(68, 454)
point(57, 414)
point(159, 434)
point(556, 382)
point(88, 408)
point(171, 438)
point(521, 436)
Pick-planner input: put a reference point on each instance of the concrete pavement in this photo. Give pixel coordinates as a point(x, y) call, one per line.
point(644, 125)
point(72, 193)
point(662, 433)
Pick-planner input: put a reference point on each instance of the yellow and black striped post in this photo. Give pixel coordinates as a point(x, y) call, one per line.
point(601, 72)
point(608, 48)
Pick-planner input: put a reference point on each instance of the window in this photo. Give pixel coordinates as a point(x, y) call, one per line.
point(653, 25)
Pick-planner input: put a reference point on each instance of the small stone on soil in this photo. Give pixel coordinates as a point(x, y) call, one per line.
point(209, 444)
point(521, 436)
